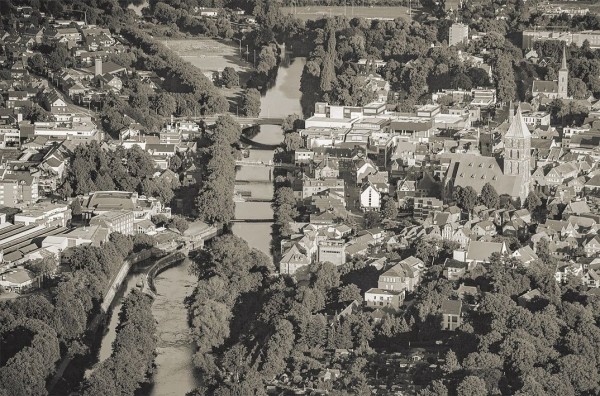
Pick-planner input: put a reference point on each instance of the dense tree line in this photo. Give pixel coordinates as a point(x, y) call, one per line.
point(134, 350)
point(33, 327)
point(95, 169)
point(181, 14)
point(251, 327)
point(284, 210)
point(214, 203)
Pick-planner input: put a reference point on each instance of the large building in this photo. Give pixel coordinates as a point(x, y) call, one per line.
point(459, 33)
point(578, 38)
point(513, 178)
point(115, 221)
point(554, 89)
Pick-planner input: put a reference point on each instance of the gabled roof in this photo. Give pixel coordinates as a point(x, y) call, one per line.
point(481, 251)
point(452, 307)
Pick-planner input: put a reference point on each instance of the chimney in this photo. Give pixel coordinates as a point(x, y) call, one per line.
point(98, 67)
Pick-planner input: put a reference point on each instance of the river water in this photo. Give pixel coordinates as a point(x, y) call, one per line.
point(279, 101)
point(175, 373)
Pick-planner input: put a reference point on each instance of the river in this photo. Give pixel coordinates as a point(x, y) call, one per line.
point(174, 374)
point(279, 101)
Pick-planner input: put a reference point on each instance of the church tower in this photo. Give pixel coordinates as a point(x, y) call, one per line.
point(517, 151)
point(563, 77)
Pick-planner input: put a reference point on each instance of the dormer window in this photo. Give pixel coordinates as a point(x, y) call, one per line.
point(481, 165)
point(494, 178)
point(471, 164)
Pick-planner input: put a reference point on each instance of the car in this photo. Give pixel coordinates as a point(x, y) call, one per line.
point(439, 342)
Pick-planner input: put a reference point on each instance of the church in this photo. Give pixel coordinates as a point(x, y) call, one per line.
point(511, 177)
point(555, 89)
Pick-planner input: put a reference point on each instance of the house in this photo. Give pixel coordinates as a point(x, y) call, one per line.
point(577, 208)
point(327, 168)
point(403, 276)
point(484, 228)
point(591, 246)
point(54, 103)
point(293, 259)
point(378, 298)
point(425, 206)
point(333, 251)
point(479, 252)
point(454, 269)
point(370, 197)
point(527, 298)
point(451, 314)
point(17, 280)
point(525, 254)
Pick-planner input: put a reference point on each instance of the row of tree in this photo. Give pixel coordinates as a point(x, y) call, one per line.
point(133, 354)
point(172, 12)
point(34, 326)
point(214, 203)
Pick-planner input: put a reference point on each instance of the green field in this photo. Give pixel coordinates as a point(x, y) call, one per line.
point(210, 56)
point(317, 12)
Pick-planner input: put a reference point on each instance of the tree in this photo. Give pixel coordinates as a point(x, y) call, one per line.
point(292, 141)
point(160, 220)
point(76, 208)
point(349, 292)
point(165, 104)
point(426, 249)
point(291, 123)
point(436, 388)
point(466, 198)
point(250, 105)
point(489, 197)
point(451, 364)
point(230, 77)
point(471, 386)
point(42, 267)
point(533, 202)
point(578, 89)
point(390, 209)
point(372, 219)
point(179, 223)
point(37, 64)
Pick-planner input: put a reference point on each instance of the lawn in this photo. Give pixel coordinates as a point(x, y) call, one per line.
point(317, 12)
point(211, 56)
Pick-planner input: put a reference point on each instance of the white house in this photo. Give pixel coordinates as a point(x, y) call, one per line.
point(379, 298)
point(370, 197)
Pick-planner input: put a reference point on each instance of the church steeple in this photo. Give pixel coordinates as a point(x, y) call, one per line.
point(517, 151)
point(563, 76)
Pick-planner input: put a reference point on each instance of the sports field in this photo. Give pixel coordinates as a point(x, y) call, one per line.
point(317, 12)
point(209, 55)
point(212, 56)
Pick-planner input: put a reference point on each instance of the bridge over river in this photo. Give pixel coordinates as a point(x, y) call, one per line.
point(244, 121)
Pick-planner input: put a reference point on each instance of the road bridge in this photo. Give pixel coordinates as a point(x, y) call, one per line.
point(244, 121)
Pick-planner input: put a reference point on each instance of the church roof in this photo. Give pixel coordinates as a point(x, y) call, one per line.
point(518, 129)
point(474, 170)
point(545, 86)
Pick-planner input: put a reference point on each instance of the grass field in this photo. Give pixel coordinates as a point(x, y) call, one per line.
point(210, 56)
point(317, 12)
